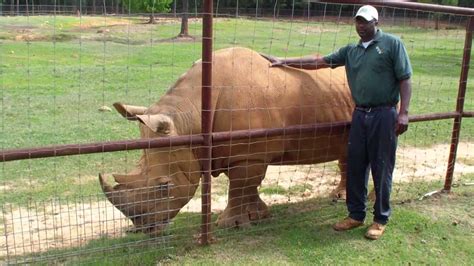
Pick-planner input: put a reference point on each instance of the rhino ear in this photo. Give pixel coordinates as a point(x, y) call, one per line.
point(161, 124)
point(130, 112)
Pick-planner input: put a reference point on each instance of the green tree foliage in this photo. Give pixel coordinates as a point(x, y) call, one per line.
point(442, 2)
point(149, 6)
point(466, 3)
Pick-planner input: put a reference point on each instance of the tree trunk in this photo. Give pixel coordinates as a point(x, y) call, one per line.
point(437, 21)
point(93, 7)
point(12, 8)
point(174, 8)
point(184, 20)
point(152, 19)
point(74, 7)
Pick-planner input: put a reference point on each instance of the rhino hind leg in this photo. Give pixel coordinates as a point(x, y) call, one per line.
point(244, 204)
point(339, 193)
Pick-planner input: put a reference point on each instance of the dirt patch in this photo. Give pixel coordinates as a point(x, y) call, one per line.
point(310, 30)
point(5, 187)
point(99, 23)
point(19, 27)
point(31, 37)
point(60, 225)
point(57, 225)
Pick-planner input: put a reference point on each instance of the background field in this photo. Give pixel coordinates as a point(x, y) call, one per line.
point(56, 72)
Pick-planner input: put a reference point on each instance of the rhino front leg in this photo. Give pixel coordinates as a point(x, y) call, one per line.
point(244, 204)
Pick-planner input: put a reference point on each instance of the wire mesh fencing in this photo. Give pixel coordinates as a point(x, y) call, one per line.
point(61, 74)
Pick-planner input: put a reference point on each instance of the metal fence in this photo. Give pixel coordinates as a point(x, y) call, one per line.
point(51, 220)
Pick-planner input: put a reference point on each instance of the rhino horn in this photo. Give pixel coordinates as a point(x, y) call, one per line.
point(104, 185)
point(117, 198)
point(130, 112)
point(135, 180)
point(158, 123)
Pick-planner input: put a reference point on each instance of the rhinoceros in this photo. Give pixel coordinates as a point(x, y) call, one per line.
point(247, 94)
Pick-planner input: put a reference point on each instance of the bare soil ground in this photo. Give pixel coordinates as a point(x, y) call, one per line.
point(62, 225)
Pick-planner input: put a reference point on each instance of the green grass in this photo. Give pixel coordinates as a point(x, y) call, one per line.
point(273, 190)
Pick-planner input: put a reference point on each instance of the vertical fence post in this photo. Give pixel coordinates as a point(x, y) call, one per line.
point(206, 121)
point(459, 105)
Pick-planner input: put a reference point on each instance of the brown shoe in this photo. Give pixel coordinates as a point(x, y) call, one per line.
point(375, 231)
point(347, 224)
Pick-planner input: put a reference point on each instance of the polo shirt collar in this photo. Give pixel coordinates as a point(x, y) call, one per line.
point(377, 37)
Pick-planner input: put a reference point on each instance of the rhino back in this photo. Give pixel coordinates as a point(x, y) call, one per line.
point(251, 94)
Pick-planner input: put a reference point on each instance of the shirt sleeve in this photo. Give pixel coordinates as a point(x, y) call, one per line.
point(338, 58)
point(402, 65)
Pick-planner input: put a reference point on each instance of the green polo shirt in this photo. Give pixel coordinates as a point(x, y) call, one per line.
point(374, 73)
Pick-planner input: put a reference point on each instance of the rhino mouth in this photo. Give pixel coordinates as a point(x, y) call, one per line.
point(140, 205)
point(153, 229)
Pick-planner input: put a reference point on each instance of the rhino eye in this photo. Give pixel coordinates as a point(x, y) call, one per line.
point(159, 191)
point(164, 186)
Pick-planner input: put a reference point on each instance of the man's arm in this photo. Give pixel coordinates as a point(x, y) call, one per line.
point(405, 96)
point(307, 62)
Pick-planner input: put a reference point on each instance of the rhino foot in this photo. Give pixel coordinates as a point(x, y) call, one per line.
point(242, 216)
point(339, 193)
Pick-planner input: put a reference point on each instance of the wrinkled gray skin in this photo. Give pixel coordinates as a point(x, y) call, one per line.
point(247, 94)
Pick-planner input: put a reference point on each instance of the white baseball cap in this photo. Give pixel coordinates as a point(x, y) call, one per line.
point(369, 13)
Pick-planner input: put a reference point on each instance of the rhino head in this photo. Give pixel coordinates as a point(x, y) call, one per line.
point(164, 180)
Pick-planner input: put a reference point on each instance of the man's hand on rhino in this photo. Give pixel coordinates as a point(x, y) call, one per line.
point(275, 61)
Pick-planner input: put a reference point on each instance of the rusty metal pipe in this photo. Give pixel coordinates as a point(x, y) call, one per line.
point(468, 114)
point(459, 105)
point(206, 122)
point(433, 117)
point(334, 128)
point(192, 140)
point(98, 147)
point(408, 5)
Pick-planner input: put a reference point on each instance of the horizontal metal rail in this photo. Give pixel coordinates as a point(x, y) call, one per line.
point(97, 147)
point(193, 140)
point(407, 5)
point(433, 117)
point(272, 132)
point(468, 114)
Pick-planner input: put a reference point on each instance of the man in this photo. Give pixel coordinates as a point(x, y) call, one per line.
point(378, 71)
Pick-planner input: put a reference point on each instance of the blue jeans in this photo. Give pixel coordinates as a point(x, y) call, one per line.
point(372, 145)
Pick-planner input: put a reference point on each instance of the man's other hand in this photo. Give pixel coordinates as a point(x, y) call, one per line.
point(402, 124)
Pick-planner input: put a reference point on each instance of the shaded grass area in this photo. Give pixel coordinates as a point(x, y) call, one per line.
point(437, 230)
